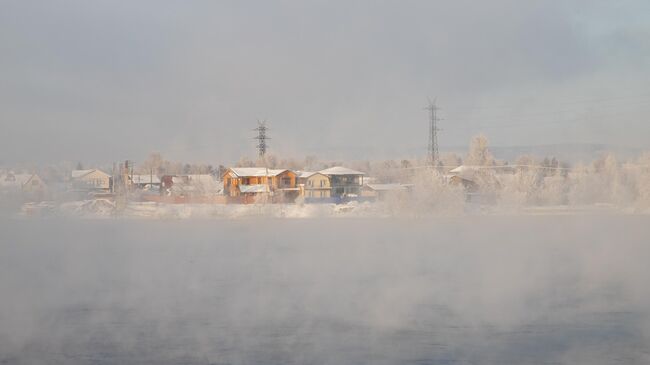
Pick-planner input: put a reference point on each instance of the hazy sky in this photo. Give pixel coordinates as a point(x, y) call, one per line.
point(109, 80)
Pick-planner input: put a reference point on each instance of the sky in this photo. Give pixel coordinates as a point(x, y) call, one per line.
point(113, 80)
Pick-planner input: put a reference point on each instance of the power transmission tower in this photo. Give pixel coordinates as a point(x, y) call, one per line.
point(261, 138)
point(432, 152)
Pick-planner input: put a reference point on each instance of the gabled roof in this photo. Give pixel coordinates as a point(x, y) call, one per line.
point(308, 174)
point(459, 169)
point(256, 171)
point(305, 174)
point(464, 172)
point(81, 173)
point(340, 170)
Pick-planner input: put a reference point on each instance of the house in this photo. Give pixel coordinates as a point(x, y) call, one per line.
point(314, 185)
point(90, 180)
point(468, 184)
point(472, 178)
point(28, 185)
point(254, 183)
point(344, 182)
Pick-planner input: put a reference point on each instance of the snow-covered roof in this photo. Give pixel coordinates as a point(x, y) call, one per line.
point(386, 187)
point(81, 173)
point(460, 169)
point(256, 171)
point(464, 172)
point(305, 174)
point(253, 188)
point(308, 174)
point(340, 170)
point(145, 179)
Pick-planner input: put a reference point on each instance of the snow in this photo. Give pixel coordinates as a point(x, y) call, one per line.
point(306, 174)
point(256, 171)
point(340, 170)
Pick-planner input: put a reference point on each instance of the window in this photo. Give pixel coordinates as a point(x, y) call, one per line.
point(286, 181)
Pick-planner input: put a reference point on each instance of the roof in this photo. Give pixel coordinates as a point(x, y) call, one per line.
point(340, 170)
point(308, 174)
point(460, 169)
point(386, 187)
point(81, 173)
point(305, 174)
point(253, 188)
point(464, 172)
point(256, 171)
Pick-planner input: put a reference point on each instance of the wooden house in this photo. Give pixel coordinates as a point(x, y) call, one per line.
point(254, 184)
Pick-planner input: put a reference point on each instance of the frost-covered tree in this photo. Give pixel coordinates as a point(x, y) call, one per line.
point(479, 154)
point(153, 163)
point(641, 179)
point(431, 194)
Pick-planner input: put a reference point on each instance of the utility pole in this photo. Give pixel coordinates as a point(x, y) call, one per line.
point(261, 138)
point(261, 151)
point(432, 152)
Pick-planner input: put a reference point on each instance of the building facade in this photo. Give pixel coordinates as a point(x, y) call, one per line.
point(315, 185)
point(257, 184)
point(344, 182)
point(92, 179)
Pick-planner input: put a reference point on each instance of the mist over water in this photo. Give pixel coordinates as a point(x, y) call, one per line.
point(470, 290)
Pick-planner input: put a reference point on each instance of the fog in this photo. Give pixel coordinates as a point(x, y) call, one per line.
point(470, 290)
point(530, 249)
